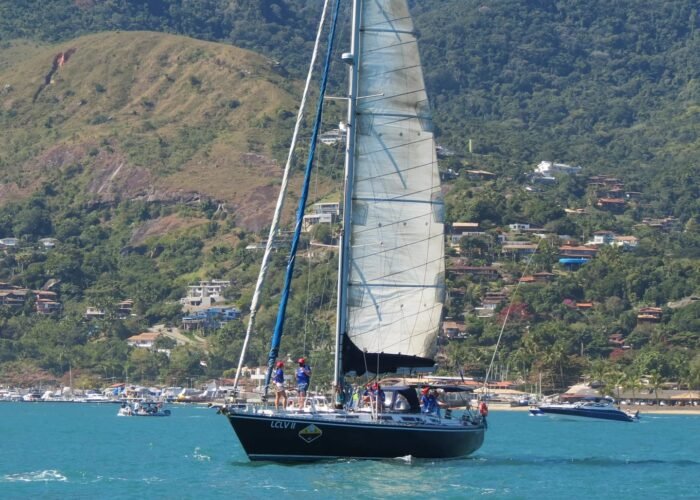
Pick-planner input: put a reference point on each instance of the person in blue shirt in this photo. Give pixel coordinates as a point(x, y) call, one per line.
point(428, 402)
point(379, 396)
point(303, 378)
point(280, 393)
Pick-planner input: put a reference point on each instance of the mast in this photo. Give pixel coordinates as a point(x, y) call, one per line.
point(345, 237)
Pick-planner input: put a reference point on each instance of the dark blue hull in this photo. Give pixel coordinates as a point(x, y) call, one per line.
point(294, 439)
point(612, 414)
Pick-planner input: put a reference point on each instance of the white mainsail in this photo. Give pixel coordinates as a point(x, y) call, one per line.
point(396, 261)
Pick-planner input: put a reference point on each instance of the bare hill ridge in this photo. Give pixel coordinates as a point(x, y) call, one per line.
point(142, 115)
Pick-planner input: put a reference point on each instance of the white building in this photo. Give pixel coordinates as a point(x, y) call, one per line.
point(331, 137)
point(9, 242)
point(549, 168)
point(205, 293)
point(144, 340)
point(517, 227)
point(323, 213)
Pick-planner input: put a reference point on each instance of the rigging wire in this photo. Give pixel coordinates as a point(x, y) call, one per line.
point(280, 199)
point(279, 325)
point(505, 321)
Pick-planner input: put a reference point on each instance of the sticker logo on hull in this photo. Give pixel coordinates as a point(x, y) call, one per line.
point(310, 433)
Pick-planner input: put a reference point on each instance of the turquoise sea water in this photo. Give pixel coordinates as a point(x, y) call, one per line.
point(84, 451)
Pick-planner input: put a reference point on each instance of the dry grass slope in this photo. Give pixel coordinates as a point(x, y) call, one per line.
point(144, 115)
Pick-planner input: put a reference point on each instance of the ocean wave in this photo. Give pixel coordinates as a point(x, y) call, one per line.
point(200, 456)
point(45, 476)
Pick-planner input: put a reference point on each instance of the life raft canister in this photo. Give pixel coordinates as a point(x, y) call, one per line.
point(483, 409)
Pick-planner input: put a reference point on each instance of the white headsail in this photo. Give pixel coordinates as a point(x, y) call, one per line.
point(396, 262)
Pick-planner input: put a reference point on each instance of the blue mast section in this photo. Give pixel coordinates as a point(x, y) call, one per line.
point(279, 325)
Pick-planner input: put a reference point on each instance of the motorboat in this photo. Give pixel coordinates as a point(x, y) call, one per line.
point(92, 396)
point(32, 397)
point(589, 407)
point(142, 409)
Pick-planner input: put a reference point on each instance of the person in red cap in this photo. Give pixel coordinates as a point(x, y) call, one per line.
point(429, 402)
point(280, 393)
point(303, 379)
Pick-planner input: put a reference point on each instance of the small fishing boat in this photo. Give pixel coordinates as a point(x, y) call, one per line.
point(590, 407)
point(143, 409)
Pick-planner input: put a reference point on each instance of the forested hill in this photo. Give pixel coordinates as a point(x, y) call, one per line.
point(605, 85)
point(140, 152)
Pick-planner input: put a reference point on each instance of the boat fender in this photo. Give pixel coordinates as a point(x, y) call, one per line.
point(483, 409)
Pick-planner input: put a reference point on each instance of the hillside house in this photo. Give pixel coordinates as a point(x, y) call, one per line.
point(618, 340)
point(210, 318)
point(13, 296)
point(48, 243)
point(518, 226)
point(541, 277)
point(310, 220)
point(205, 293)
point(518, 249)
point(124, 308)
point(145, 340)
point(612, 204)
point(46, 302)
point(93, 313)
point(602, 238)
point(626, 242)
point(649, 315)
point(604, 181)
point(454, 329)
point(459, 230)
point(47, 307)
point(486, 272)
point(9, 242)
point(490, 303)
point(573, 251)
point(332, 137)
point(323, 213)
point(665, 224)
point(549, 168)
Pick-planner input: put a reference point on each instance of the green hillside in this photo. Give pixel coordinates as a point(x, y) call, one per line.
point(143, 115)
point(154, 159)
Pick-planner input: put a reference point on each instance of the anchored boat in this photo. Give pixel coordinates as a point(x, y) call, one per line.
point(590, 407)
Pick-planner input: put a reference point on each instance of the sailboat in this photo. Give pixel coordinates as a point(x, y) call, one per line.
point(391, 267)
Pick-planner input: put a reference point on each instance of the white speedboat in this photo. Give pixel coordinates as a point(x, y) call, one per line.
point(143, 409)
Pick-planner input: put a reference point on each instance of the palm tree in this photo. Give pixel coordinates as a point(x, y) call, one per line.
point(633, 382)
point(616, 379)
point(597, 370)
point(655, 381)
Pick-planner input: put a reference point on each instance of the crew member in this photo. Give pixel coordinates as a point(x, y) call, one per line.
point(280, 393)
point(303, 378)
point(428, 402)
point(484, 411)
